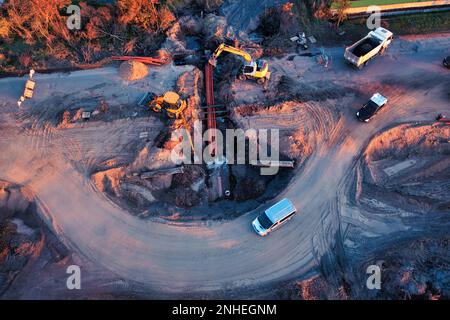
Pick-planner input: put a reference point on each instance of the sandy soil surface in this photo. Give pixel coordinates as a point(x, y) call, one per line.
point(214, 259)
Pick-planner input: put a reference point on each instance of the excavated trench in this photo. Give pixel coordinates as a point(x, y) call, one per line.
point(192, 195)
point(184, 196)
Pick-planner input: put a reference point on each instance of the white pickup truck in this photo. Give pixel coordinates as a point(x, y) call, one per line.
point(365, 49)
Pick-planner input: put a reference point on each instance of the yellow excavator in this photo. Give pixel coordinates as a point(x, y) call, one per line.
point(170, 102)
point(253, 69)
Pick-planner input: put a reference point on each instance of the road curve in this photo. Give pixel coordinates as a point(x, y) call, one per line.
point(213, 255)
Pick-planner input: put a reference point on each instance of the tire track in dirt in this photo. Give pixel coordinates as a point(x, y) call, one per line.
point(193, 259)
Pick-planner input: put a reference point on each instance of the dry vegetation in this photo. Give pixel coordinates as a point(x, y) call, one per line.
point(34, 33)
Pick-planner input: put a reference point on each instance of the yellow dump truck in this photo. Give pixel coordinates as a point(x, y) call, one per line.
point(368, 47)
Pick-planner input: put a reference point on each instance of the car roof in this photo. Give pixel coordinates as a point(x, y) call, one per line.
point(280, 210)
point(378, 99)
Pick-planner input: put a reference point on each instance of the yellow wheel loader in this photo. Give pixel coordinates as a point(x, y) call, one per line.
point(252, 69)
point(170, 103)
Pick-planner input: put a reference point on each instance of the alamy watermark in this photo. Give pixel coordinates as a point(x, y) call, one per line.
point(374, 19)
point(74, 20)
point(263, 147)
point(374, 279)
point(73, 282)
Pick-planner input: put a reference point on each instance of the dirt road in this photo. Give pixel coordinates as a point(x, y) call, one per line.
point(210, 256)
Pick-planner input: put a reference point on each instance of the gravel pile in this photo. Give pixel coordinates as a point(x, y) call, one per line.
point(133, 70)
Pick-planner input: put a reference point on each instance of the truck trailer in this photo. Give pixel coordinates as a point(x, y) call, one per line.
point(368, 47)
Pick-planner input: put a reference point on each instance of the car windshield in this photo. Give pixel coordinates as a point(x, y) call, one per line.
point(264, 221)
point(371, 106)
point(369, 109)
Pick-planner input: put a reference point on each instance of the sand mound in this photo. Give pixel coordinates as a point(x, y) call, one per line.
point(133, 70)
point(164, 55)
point(406, 170)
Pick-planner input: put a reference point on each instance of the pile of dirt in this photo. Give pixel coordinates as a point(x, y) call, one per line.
point(109, 180)
point(409, 140)
point(188, 189)
point(190, 174)
point(133, 70)
point(407, 167)
point(163, 55)
point(184, 197)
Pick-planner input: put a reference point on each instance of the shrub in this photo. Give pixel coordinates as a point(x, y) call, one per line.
point(4, 28)
point(36, 19)
point(25, 60)
point(148, 15)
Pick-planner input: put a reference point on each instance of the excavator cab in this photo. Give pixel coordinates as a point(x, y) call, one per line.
point(252, 69)
point(258, 69)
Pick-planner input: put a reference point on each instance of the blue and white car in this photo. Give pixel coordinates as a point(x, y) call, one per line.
point(274, 217)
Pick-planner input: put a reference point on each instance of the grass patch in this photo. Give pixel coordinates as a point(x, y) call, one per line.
point(414, 23)
point(366, 3)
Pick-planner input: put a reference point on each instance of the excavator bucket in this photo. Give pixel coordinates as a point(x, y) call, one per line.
point(212, 61)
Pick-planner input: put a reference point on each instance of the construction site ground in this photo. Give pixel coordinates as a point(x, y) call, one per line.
point(356, 185)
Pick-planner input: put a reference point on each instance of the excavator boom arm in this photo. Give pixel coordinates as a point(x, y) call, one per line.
point(233, 50)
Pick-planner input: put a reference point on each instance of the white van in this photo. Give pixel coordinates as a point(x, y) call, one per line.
point(274, 217)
